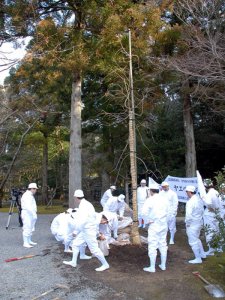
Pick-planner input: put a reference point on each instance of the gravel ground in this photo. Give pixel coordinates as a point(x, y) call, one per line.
point(29, 278)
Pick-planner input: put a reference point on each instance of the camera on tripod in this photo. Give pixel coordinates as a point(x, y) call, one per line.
point(15, 193)
point(15, 201)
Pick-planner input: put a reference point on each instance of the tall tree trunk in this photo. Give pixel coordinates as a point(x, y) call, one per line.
point(75, 140)
point(105, 181)
point(133, 155)
point(190, 153)
point(45, 171)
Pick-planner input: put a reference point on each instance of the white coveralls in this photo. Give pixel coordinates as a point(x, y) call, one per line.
point(142, 195)
point(62, 228)
point(194, 223)
point(113, 205)
point(105, 197)
point(172, 198)
point(28, 215)
point(87, 233)
point(112, 225)
point(212, 202)
point(155, 211)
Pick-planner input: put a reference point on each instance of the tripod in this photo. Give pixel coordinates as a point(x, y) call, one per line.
point(14, 201)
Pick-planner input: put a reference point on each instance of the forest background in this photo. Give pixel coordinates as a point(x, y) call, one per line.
point(65, 107)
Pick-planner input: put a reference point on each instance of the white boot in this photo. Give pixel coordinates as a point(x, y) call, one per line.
point(68, 250)
point(197, 259)
point(82, 253)
point(102, 259)
point(172, 234)
point(26, 243)
point(163, 262)
point(151, 269)
point(30, 242)
point(210, 252)
point(73, 262)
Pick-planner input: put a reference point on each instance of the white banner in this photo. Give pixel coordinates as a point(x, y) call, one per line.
point(178, 185)
point(151, 181)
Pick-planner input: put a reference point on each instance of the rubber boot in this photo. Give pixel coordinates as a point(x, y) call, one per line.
point(172, 234)
point(163, 262)
point(73, 262)
point(67, 247)
point(210, 252)
point(197, 254)
point(102, 259)
point(82, 253)
point(151, 269)
point(30, 242)
point(26, 243)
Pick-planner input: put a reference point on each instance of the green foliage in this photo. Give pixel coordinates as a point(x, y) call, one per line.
point(218, 236)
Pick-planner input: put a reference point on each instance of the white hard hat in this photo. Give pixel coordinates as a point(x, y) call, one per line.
point(190, 188)
point(143, 181)
point(32, 185)
point(79, 194)
point(164, 183)
point(121, 198)
point(153, 186)
point(113, 187)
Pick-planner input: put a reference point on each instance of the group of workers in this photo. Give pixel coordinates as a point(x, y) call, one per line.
point(157, 208)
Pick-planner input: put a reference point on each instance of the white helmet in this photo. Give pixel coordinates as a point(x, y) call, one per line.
point(79, 194)
point(113, 187)
point(164, 183)
point(190, 188)
point(143, 181)
point(121, 198)
point(32, 186)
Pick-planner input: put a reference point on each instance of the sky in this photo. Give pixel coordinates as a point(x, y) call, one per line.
point(7, 52)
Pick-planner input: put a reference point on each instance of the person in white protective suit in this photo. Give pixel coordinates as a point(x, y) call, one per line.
point(212, 203)
point(86, 225)
point(116, 205)
point(142, 195)
point(62, 228)
point(155, 211)
point(109, 227)
point(108, 193)
point(29, 214)
point(194, 223)
point(173, 205)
